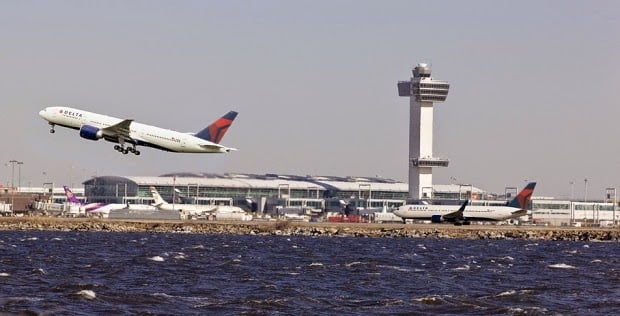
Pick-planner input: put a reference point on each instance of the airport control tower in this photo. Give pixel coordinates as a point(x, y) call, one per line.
point(422, 91)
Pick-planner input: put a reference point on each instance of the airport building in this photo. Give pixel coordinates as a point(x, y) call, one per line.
point(550, 212)
point(268, 192)
point(265, 193)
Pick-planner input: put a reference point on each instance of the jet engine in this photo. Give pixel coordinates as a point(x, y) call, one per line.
point(90, 132)
point(437, 219)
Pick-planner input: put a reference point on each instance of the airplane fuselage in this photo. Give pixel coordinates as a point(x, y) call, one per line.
point(190, 208)
point(471, 213)
point(104, 208)
point(139, 134)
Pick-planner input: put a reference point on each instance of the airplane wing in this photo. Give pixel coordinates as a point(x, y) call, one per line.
point(457, 215)
point(217, 148)
point(119, 131)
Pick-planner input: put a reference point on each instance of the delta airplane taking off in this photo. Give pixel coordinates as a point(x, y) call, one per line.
point(102, 208)
point(463, 215)
point(196, 209)
point(95, 126)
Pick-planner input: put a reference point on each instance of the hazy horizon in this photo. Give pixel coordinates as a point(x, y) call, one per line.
point(534, 91)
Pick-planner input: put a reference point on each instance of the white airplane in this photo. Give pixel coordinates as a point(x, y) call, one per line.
point(101, 208)
point(95, 126)
point(196, 209)
point(221, 212)
point(464, 215)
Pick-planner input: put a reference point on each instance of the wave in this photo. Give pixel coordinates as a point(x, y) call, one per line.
point(463, 268)
point(430, 300)
point(507, 293)
point(394, 268)
point(39, 271)
point(87, 294)
point(561, 266)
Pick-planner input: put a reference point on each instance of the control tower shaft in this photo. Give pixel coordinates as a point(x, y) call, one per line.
point(422, 91)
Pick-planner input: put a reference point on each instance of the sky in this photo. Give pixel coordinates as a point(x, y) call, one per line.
point(535, 87)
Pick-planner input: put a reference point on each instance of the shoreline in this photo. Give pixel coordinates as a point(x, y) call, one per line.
point(292, 228)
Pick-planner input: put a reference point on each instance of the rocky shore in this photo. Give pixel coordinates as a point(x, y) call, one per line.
point(286, 228)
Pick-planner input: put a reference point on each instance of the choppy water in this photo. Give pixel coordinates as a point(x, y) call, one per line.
point(137, 273)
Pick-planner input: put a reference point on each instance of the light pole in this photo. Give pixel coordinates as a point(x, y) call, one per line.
point(12, 162)
point(572, 190)
point(19, 168)
point(585, 194)
point(174, 183)
point(19, 164)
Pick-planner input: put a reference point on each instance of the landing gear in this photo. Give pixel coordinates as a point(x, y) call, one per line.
point(127, 150)
point(133, 150)
point(52, 128)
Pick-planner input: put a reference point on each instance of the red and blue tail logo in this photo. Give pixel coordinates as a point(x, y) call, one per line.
point(215, 132)
point(522, 200)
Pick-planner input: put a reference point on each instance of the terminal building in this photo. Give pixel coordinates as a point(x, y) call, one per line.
point(265, 193)
point(551, 212)
point(317, 195)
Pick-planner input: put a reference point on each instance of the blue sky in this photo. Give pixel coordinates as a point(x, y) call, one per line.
point(534, 93)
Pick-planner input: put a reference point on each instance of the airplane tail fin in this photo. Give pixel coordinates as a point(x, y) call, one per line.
point(462, 208)
point(70, 196)
point(217, 129)
point(522, 200)
point(158, 199)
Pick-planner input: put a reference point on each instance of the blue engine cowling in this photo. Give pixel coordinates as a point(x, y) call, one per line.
point(90, 132)
point(436, 219)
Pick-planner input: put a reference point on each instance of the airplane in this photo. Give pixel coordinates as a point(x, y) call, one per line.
point(196, 209)
point(221, 212)
point(94, 126)
point(101, 208)
point(459, 215)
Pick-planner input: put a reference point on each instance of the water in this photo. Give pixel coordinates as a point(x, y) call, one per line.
point(140, 273)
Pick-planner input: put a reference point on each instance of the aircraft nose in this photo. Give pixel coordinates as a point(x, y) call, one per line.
point(46, 113)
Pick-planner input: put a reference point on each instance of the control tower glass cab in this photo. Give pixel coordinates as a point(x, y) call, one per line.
point(422, 91)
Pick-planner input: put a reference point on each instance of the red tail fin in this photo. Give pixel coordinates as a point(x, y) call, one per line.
point(216, 131)
point(522, 200)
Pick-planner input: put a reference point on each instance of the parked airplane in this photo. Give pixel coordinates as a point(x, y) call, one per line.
point(101, 208)
point(196, 209)
point(221, 212)
point(461, 215)
point(95, 126)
